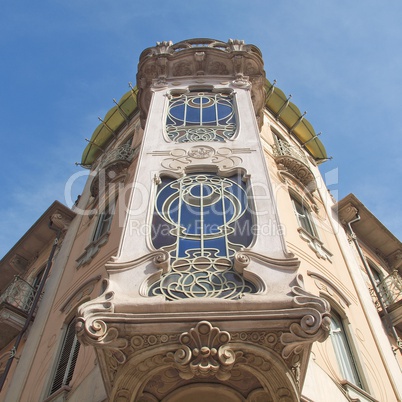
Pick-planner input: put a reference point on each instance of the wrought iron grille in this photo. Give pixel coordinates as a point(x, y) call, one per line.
point(283, 148)
point(122, 153)
point(390, 288)
point(201, 117)
point(19, 294)
point(202, 220)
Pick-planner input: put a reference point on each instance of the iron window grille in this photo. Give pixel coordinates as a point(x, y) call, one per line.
point(201, 116)
point(201, 220)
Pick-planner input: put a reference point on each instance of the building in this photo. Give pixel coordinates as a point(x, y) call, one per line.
point(206, 259)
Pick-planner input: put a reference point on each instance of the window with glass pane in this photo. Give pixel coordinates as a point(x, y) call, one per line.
point(201, 220)
point(201, 116)
point(303, 217)
point(104, 222)
point(343, 351)
point(67, 359)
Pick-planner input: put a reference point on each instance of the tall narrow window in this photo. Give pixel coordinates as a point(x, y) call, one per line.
point(201, 220)
point(67, 358)
point(343, 351)
point(104, 222)
point(201, 116)
point(303, 217)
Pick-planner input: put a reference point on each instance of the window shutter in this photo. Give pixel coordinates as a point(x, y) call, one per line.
point(67, 359)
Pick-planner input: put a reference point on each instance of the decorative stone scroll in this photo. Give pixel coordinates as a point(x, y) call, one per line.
point(224, 158)
point(201, 58)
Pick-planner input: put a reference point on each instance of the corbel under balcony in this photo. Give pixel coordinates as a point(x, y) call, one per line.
point(293, 161)
point(112, 168)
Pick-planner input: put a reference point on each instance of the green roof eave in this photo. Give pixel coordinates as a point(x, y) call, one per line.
point(113, 120)
point(290, 116)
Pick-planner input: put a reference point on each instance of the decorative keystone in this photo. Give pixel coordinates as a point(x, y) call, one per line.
point(204, 353)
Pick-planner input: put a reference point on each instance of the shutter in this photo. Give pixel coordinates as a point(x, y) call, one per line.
point(67, 359)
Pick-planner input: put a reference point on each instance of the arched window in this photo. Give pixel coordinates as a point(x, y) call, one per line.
point(104, 221)
point(201, 116)
point(201, 220)
point(343, 351)
point(67, 359)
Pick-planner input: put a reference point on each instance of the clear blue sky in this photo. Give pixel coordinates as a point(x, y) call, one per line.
point(62, 63)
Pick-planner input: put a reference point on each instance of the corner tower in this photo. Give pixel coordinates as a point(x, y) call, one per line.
point(203, 300)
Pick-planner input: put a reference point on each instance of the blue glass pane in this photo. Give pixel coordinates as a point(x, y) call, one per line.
point(218, 244)
point(177, 112)
point(190, 115)
point(224, 111)
point(201, 220)
point(193, 115)
point(209, 115)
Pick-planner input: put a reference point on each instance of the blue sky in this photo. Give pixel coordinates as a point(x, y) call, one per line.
point(63, 62)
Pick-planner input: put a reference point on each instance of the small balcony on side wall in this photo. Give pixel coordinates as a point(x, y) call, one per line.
point(292, 160)
point(390, 290)
point(114, 164)
point(15, 303)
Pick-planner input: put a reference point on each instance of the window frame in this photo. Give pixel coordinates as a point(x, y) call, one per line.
point(104, 221)
point(67, 356)
point(206, 90)
point(304, 217)
point(345, 351)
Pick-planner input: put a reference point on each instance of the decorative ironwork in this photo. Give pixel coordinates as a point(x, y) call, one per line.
point(201, 117)
point(390, 288)
point(201, 221)
point(19, 294)
point(122, 153)
point(283, 148)
point(292, 160)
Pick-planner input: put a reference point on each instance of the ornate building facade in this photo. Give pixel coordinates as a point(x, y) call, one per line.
point(206, 260)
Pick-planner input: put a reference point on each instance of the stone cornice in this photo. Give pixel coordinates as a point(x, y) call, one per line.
point(234, 61)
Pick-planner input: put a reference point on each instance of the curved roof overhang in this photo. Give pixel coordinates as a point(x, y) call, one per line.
point(111, 123)
point(276, 102)
point(289, 115)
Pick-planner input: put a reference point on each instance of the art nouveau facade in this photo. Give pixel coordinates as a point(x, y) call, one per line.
point(207, 260)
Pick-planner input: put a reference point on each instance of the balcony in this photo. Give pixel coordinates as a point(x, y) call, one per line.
point(112, 166)
point(390, 290)
point(15, 303)
point(292, 160)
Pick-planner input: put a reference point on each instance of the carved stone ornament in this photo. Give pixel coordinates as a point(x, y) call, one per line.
point(204, 353)
point(347, 213)
point(395, 259)
point(224, 158)
point(201, 57)
point(314, 325)
point(91, 250)
point(92, 330)
point(60, 221)
point(19, 263)
point(316, 245)
point(298, 170)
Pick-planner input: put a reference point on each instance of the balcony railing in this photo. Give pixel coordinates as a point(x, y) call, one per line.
point(390, 289)
point(292, 160)
point(283, 148)
point(122, 153)
point(19, 294)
